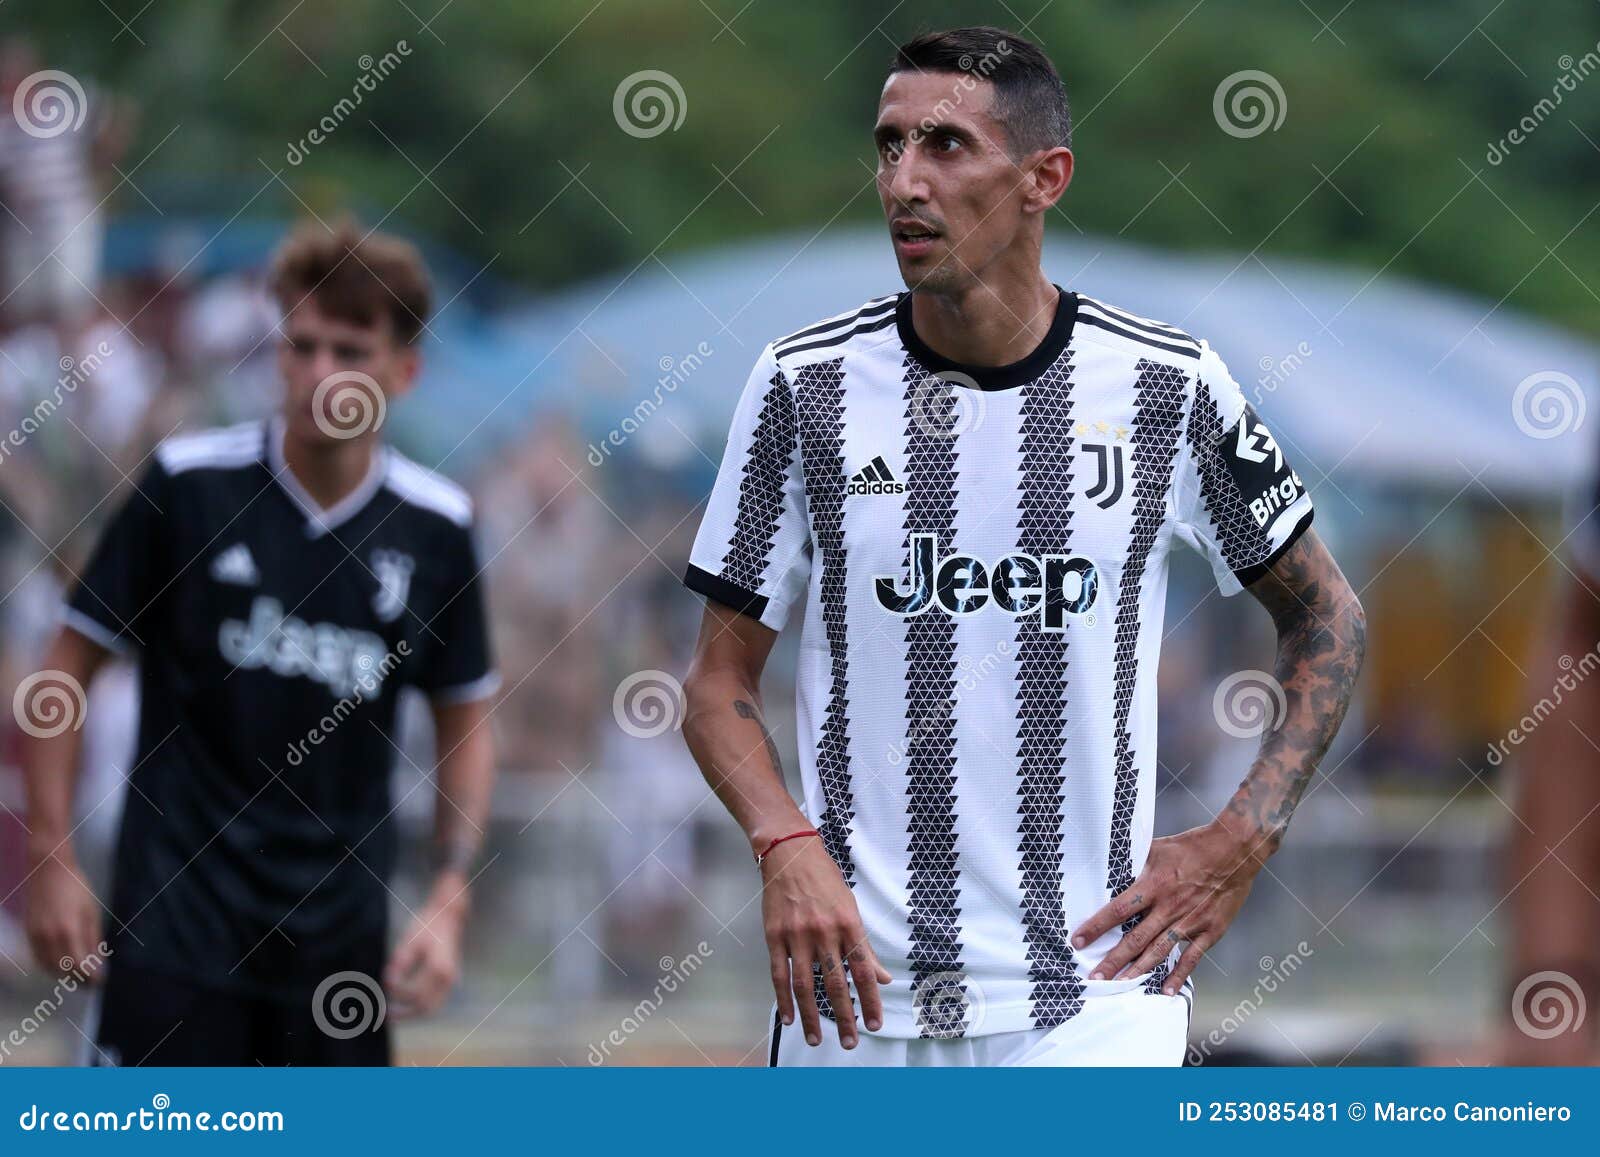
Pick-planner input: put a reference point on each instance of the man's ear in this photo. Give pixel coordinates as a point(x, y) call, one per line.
point(1049, 175)
point(407, 365)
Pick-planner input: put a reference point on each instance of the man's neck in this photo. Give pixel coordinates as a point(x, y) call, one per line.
point(987, 325)
point(329, 472)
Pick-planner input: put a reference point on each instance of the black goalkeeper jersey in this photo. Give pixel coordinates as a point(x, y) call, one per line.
point(273, 637)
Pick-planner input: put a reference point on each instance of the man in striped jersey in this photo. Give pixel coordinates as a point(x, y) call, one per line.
point(975, 486)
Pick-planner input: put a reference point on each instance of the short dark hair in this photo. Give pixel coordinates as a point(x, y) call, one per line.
point(1028, 96)
point(354, 276)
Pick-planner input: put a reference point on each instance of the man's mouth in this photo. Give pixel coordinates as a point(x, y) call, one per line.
point(912, 234)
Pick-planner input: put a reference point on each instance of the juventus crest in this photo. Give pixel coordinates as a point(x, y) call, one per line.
point(1109, 472)
point(393, 570)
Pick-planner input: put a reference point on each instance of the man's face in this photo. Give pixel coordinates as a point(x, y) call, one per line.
point(951, 193)
point(365, 366)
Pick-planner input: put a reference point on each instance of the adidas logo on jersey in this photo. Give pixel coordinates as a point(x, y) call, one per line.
point(1057, 586)
point(236, 566)
point(875, 478)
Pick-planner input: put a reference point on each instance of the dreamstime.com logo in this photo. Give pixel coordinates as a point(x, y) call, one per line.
point(1547, 1004)
point(649, 103)
point(347, 1004)
point(49, 103)
point(160, 1117)
point(1548, 404)
point(1249, 703)
point(947, 404)
point(347, 404)
point(1249, 103)
point(49, 703)
point(648, 704)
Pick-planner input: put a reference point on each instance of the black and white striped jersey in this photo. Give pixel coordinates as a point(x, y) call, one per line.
point(983, 554)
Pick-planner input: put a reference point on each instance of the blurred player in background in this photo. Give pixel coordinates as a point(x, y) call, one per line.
point(279, 582)
point(975, 486)
point(1553, 877)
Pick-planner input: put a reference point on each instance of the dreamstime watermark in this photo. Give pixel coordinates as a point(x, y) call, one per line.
point(674, 372)
point(969, 73)
point(1274, 974)
point(347, 1004)
point(948, 1005)
point(648, 704)
point(1547, 1004)
point(1276, 371)
point(369, 675)
point(937, 726)
point(373, 72)
point(946, 404)
point(347, 404)
point(1546, 706)
point(160, 1117)
point(1249, 703)
point(1573, 73)
point(49, 703)
point(74, 975)
point(1249, 103)
point(49, 103)
point(74, 372)
point(674, 973)
point(649, 103)
point(1548, 404)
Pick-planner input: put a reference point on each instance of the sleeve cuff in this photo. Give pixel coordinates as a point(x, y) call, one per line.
point(1251, 573)
point(729, 594)
point(467, 692)
point(96, 631)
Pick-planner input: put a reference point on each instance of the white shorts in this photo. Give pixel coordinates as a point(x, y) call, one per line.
point(1132, 1028)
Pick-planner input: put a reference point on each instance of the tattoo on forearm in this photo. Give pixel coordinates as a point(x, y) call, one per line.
point(1322, 636)
point(748, 711)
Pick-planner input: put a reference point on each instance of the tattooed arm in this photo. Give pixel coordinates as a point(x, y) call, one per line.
point(809, 913)
point(1194, 883)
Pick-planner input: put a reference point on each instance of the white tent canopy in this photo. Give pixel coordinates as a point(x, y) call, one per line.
point(1370, 377)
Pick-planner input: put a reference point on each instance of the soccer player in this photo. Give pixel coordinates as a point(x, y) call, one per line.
point(280, 582)
point(976, 485)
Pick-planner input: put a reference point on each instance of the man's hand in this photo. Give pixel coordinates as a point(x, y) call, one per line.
point(1192, 887)
point(63, 916)
point(810, 917)
point(427, 963)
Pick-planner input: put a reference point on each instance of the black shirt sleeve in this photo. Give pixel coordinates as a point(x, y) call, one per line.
point(118, 594)
point(459, 665)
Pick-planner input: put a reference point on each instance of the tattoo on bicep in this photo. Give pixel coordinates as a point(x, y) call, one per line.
point(748, 711)
point(1321, 643)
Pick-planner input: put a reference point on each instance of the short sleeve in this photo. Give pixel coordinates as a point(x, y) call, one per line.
point(753, 550)
point(116, 597)
point(1239, 501)
point(460, 666)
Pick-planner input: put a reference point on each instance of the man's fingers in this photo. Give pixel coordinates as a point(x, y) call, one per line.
point(781, 981)
point(868, 974)
point(804, 997)
point(1159, 948)
point(1125, 905)
point(1129, 948)
point(838, 990)
point(1191, 956)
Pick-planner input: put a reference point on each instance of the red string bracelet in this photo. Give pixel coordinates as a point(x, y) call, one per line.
point(760, 856)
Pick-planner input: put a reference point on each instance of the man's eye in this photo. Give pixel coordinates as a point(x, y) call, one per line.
point(891, 151)
point(948, 144)
point(349, 353)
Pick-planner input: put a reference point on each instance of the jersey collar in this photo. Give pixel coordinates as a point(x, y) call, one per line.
point(320, 520)
point(1018, 373)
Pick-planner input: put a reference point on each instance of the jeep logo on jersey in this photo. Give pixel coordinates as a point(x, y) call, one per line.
point(1062, 585)
point(343, 660)
point(393, 570)
point(1266, 482)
